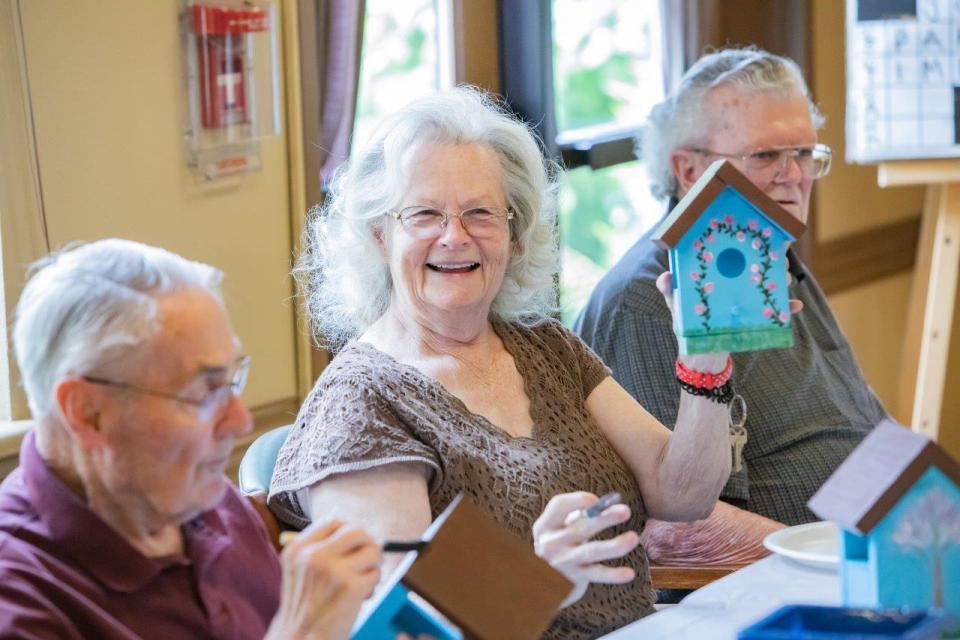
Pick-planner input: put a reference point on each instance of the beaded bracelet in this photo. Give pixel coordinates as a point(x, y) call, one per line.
point(722, 394)
point(704, 380)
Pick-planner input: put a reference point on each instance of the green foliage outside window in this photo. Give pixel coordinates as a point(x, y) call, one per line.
point(398, 60)
point(606, 71)
point(585, 100)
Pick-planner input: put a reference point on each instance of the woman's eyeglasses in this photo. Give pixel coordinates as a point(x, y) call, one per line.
point(428, 222)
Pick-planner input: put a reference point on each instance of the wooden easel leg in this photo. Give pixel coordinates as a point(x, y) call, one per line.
point(910, 356)
point(930, 315)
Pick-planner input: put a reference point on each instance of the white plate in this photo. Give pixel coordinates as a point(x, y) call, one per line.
point(816, 544)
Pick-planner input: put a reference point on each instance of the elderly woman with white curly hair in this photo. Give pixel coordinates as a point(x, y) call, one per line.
point(431, 266)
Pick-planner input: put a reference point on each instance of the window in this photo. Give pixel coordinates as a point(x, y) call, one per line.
point(401, 59)
point(607, 69)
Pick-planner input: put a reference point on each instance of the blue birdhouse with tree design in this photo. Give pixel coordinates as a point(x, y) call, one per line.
point(896, 501)
point(727, 242)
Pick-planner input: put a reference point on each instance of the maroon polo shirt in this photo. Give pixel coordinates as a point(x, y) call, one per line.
point(65, 573)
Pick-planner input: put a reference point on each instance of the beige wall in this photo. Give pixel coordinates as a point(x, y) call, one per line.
point(105, 84)
point(848, 202)
point(873, 318)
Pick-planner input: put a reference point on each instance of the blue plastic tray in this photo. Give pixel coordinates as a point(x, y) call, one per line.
point(839, 623)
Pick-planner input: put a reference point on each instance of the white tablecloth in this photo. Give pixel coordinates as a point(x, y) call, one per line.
point(721, 609)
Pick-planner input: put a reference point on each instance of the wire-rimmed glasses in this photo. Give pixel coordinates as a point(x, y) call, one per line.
point(234, 379)
point(814, 161)
point(426, 222)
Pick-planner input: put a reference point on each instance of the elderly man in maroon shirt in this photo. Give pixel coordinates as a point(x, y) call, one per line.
point(119, 523)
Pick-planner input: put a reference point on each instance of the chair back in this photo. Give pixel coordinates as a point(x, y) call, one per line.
point(256, 466)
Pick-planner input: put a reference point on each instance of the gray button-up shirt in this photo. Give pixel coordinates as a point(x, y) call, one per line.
point(808, 406)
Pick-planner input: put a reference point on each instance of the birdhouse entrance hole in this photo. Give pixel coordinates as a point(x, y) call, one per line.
point(731, 263)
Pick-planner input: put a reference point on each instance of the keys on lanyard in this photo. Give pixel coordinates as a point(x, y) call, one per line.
point(738, 432)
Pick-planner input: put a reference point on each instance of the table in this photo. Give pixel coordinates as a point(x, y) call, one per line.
point(721, 609)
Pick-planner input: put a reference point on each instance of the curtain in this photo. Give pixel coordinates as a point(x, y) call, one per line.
point(526, 65)
point(339, 34)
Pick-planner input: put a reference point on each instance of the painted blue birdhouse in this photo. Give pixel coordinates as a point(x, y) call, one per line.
point(727, 242)
point(896, 501)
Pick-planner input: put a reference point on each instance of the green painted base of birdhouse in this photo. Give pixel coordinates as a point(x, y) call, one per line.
point(733, 341)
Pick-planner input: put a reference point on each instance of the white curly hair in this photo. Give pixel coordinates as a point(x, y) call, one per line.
point(341, 271)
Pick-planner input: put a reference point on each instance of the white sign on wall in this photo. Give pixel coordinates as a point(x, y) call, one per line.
point(903, 79)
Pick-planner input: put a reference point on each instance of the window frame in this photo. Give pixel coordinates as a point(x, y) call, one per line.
point(23, 235)
point(526, 29)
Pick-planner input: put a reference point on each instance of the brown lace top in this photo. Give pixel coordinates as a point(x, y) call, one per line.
point(368, 410)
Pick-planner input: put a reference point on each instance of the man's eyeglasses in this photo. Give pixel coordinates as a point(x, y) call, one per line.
point(428, 222)
point(230, 381)
point(814, 162)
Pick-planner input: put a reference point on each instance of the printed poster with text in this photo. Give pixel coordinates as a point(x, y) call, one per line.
point(903, 79)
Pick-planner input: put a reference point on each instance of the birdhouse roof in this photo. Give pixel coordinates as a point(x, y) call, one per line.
point(877, 474)
point(715, 179)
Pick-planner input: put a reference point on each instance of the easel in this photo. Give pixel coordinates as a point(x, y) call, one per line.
point(930, 314)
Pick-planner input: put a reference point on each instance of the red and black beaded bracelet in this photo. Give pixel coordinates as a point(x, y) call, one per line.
point(722, 394)
point(703, 379)
point(715, 386)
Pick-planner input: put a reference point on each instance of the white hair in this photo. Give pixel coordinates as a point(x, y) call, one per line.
point(342, 272)
point(680, 121)
point(88, 305)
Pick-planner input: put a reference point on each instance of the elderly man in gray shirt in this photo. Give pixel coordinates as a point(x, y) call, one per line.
point(808, 406)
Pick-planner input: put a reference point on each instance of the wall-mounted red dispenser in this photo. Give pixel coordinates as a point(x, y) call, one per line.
point(232, 87)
